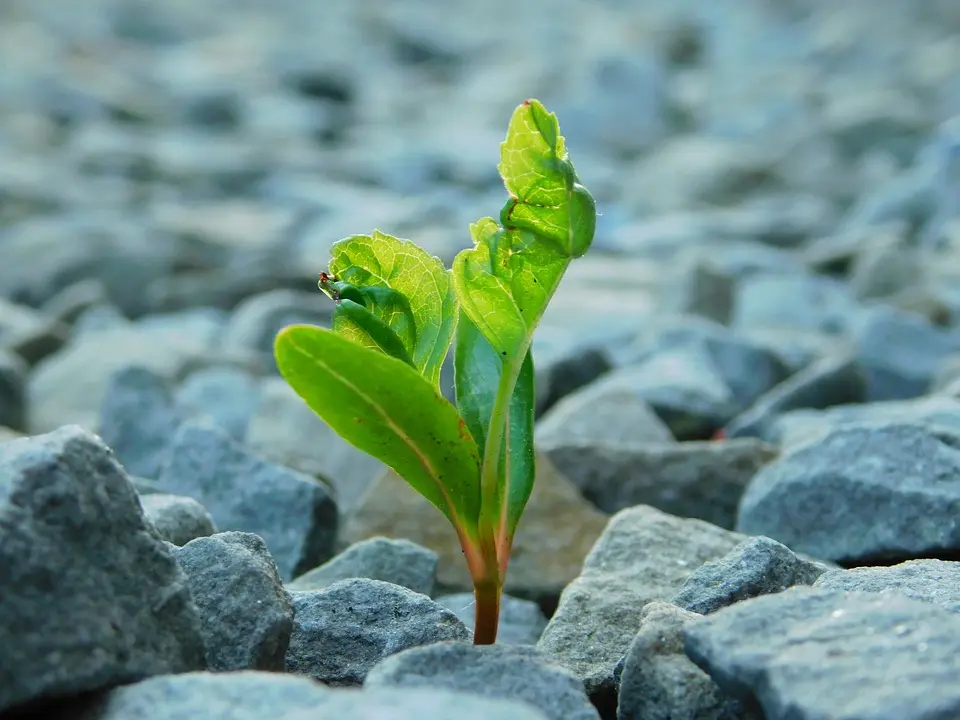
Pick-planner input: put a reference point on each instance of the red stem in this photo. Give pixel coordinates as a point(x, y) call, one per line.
point(487, 617)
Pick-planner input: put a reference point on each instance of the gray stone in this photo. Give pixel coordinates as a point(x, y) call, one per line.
point(809, 653)
point(521, 621)
point(698, 286)
point(748, 368)
point(138, 419)
point(797, 301)
point(900, 352)
point(504, 672)
point(69, 386)
point(799, 426)
point(293, 514)
point(758, 566)
point(864, 491)
point(92, 597)
point(692, 479)
point(632, 88)
point(104, 244)
point(682, 386)
point(659, 682)
point(29, 335)
point(835, 380)
point(564, 365)
point(178, 519)
point(254, 695)
point(886, 266)
point(342, 631)
point(257, 320)
point(935, 581)
point(600, 413)
point(243, 695)
point(13, 377)
point(229, 396)
point(798, 349)
point(642, 556)
point(73, 300)
point(246, 615)
point(285, 430)
point(400, 562)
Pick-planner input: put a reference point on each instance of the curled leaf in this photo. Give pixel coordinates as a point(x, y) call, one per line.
point(425, 313)
point(506, 280)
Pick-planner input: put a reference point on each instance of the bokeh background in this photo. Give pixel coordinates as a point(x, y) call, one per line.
point(173, 173)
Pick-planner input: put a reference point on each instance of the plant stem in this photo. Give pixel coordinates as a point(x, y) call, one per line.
point(487, 614)
point(490, 475)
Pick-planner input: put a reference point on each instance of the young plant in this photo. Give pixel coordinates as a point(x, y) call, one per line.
point(374, 377)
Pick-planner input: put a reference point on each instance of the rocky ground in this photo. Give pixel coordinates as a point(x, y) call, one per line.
point(748, 495)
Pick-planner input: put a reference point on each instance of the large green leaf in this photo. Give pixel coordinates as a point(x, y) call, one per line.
point(477, 370)
point(384, 407)
point(383, 261)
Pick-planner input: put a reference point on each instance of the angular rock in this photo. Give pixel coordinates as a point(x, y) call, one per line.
point(505, 672)
point(934, 581)
point(797, 301)
point(758, 566)
point(886, 266)
point(138, 419)
point(600, 413)
point(746, 368)
point(91, 596)
point(73, 300)
point(400, 562)
point(642, 556)
point(243, 695)
point(900, 353)
point(563, 366)
point(888, 491)
point(799, 426)
point(659, 682)
point(254, 695)
point(342, 631)
point(692, 479)
point(293, 514)
point(521, 621)
point(824, 383)
point(178, 519)
point(556, 533)
point(797, 348)
point(257, 320)
point(227, 395)
point(28, 335)
point(698, 286)
point(69, 386)
point(285, 430)
point(246, 615)
point(682, 386)
point(810, 653)
point(13, 377)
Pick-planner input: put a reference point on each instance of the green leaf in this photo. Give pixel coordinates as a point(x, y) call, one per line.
point(385, 408)
point(379, 318)
point(504, 283)
point(477, 374)
point(381, 261)
point(361, 326)
point(506, 280)
point(546, 195)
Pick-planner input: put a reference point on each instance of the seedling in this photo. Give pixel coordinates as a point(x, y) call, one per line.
point(374, 377)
